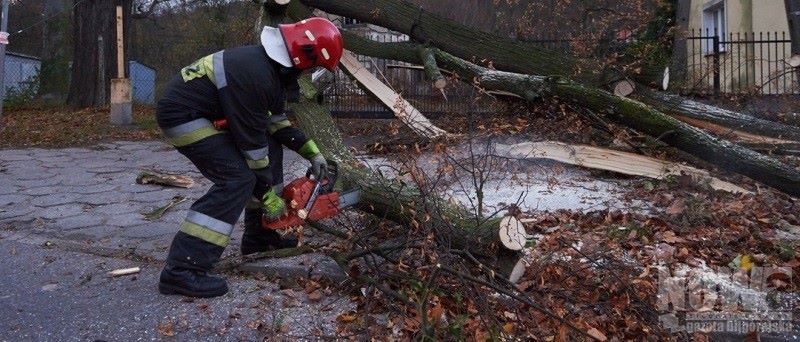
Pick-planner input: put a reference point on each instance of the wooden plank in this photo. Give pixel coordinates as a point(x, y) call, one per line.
point(403, 110)
point(611, 160)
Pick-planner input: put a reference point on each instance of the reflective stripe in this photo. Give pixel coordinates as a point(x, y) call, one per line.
point(257, 164)
point(309, 149)
point(277, 123)
point(219, 70)
point(209, 222)
point(190, 132)
point(257, 154)
point(187, 128)
point(205, 234)
point(277, 118)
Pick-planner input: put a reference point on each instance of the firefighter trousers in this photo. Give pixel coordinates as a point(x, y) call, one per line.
point(206, 231)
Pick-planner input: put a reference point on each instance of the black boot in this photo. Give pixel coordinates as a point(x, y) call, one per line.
point(191, 283)
point(256, 239)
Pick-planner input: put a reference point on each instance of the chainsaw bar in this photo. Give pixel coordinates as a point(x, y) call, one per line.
point(349, 198)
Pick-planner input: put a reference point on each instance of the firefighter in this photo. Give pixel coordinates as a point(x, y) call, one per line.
point(248, 88)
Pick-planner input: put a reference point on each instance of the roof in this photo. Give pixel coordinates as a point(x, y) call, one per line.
point(22, 55)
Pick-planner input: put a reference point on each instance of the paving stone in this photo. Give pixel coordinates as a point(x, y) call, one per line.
point(61, 211)
point(104, 198)
point(38, 173)
point(14, 156)
point(131, 146)
point(44, 154)
point(92, 189)
point(155, 198)
point(54, 199)
point(134, 188)
point(76, 150)
point(13, 199)
point(148, 230)
point(76, 222)
point(116, 209)
point(82, 181)
point(126, 220)
point(57, 160)
point(93, 233)
point(43, 190)
point(108, 169)
point(33, 183)
point(7, 189)
point(16, 211)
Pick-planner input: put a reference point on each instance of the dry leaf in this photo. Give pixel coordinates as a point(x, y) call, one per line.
point(597, 334)
point(346, 317)
point(315, 296)
point(166, 329)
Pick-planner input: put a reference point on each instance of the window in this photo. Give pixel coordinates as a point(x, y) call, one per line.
point(714, 24)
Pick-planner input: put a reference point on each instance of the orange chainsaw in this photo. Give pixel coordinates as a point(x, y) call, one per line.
point(309, 199)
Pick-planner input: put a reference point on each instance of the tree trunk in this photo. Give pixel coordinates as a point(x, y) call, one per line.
point(680, 53)
point(481, 47)
point(93, 19)
point(793, 15)
point(54, 73)
point(683, 107)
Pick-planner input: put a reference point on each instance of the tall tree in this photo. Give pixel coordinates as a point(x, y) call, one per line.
point(54, 74)
point(94, 65)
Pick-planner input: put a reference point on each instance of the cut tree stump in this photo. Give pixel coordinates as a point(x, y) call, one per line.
point(611, 160)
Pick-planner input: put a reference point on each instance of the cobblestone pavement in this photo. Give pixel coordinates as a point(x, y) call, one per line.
point(90, 194)
point(86, 200)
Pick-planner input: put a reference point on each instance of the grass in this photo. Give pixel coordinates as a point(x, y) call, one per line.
point(63, 127)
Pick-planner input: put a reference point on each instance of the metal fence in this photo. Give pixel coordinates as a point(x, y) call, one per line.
point(752, 63)
point(348, 99)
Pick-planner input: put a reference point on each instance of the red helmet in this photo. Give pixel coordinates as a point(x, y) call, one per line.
point(307, 44)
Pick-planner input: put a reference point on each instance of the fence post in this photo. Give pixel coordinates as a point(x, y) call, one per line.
point(715, 41)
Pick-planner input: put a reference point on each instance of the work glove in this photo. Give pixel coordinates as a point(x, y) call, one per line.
point(319, 167)
point(274, 206)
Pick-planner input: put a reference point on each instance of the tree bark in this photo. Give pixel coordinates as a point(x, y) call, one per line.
point(93, 19)
point(680, 51)
point(793, 15)
point(484, 48)
point(680, 106)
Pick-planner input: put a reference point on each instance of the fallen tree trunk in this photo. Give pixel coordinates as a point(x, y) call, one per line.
point(623, 111)
point(611, 160)
point(506, 54)
point(679, 106)
point(402, 203)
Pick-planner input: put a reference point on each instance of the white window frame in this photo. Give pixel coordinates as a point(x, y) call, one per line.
point(715, 19)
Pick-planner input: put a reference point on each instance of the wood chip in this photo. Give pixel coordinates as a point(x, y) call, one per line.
point(160, 178)
point(124, 271)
